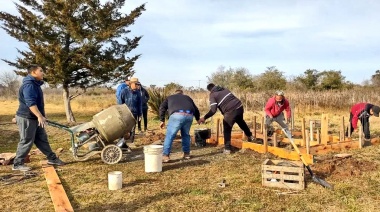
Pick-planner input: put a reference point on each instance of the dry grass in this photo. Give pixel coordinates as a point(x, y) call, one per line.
point(183, 185)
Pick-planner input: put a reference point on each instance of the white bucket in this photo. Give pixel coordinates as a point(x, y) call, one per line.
point(153, 158)
point(115, 180)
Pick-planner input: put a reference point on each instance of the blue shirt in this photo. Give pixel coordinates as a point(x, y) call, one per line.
point(30, 94)
point(132, 98)
point(118, 92)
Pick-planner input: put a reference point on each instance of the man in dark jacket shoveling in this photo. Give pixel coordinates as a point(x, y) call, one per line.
point(231, 108)
point(362, 111)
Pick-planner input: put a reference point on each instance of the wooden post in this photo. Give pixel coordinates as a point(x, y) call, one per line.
point(262, 125)
point(360, 137)
point(307, 142)
point(274, 139)
point(217, 130)
point(311, 130)
point(243, 136)
point(324, 129)
point(254, 127)
point(221, 127)
point(265, 140)
point(292, 117)
point(349, 129)
point(303, 132)
point(342, 136)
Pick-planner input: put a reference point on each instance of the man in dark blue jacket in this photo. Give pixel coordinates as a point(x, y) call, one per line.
point(30, 118)
point(120, 88)
point(131, 96)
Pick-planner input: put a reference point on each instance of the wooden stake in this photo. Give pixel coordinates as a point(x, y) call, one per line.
point(307, 142)
point(274, 139)
point(343, 136)
point(265, 138)
point(324, 129)
point(349, 129)
point(254, 126)
point(360, 137)
point(311, 130)
point(303, 132)
point(217, 130)
point(262, 125)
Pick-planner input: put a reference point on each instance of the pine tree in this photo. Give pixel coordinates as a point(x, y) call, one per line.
point(79, 43)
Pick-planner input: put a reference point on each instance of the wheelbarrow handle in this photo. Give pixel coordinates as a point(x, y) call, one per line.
point(55, 124)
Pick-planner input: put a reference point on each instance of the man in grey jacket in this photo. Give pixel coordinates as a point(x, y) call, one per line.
point(231, 108)
point(30, 118)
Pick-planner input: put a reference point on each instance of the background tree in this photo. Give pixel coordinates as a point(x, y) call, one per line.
point(221, 77)
point(332, 80)
point(10, 83)
point(271, 79)
point(375, 79)
point(171, 87)
point(238, 78)
point(79, 43)
point(309, 79)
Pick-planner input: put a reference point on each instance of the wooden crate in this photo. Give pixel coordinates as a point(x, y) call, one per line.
point(283, 174)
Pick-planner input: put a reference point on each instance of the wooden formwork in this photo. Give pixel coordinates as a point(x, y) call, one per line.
point(311, 142)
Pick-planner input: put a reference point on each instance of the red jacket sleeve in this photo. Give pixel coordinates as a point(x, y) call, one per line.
point(269, 106)
point(287, 109)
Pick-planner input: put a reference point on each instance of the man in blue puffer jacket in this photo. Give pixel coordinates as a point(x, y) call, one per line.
point(31, 120)
point(131, 96)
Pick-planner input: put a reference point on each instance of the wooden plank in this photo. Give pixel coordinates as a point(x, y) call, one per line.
point(57, 192)
point(280, 152)
point(307, 142)
point(324, 129)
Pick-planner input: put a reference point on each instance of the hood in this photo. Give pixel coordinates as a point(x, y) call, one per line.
point(217, 88)
point(30, 79)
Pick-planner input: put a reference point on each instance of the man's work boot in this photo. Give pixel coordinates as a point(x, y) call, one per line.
point(186, 156)
point(57, 162)
point(165, 158)
point(227, 151)
point(21, 167)
point(251, 138)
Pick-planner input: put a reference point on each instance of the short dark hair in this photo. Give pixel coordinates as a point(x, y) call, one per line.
point(179, 91)
point(210, 86)
point(32, 67)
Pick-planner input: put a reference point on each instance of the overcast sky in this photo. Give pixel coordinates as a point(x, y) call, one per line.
point(186, 40)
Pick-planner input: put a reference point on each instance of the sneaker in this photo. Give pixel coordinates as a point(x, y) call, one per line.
point(22, 168)
point(57, 162)
point(251, 138)
point(165, 159)
point(227, 151)
point(186, 156)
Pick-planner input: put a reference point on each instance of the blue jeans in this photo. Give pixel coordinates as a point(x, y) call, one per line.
point(178, 121)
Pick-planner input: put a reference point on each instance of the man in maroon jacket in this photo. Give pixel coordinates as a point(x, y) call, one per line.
point(362, 111)
point(274, 112)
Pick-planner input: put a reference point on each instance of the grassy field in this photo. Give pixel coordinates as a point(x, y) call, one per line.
point(185, 185)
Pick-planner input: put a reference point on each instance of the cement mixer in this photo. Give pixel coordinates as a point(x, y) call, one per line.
point(106, 128)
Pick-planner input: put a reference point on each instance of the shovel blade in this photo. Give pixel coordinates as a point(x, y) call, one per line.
point(322, 182)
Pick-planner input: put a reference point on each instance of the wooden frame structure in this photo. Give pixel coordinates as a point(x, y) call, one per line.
point(313, 141)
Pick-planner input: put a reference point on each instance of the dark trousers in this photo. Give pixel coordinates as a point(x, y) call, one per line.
point(365, 124)
point(31, 133)
point(230, 118)
point(133, 130)
point(145, 117)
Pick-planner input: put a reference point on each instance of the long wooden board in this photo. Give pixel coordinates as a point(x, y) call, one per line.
point(57, 192)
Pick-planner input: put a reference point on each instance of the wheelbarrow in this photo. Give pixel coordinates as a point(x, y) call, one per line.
point(102, 133)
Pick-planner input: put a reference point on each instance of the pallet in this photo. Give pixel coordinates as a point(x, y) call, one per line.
point(290, 175)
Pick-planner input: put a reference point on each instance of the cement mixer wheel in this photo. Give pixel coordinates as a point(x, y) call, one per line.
point(111, 154)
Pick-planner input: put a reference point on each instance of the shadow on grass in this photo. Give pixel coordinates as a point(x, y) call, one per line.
point(133, 205)
point(182, 163)
point(138, 182)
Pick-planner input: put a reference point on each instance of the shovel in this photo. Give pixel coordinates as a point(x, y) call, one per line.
point(313, 177)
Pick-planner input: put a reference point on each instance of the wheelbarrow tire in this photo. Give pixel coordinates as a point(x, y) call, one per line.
point(111, 154)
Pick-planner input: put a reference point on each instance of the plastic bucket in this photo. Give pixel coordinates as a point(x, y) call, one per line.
point(153, 158)
point(201, 135)
point(115, 180)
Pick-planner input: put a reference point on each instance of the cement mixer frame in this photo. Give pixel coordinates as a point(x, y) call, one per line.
point(110, 153)
point(106, 127)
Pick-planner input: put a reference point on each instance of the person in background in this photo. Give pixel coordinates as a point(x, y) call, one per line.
point(31, 120)
point(131, 96)
point(231, 108)
point(362, 111)
point(181, 109)
point(144, 99)
point(119, 88)
point(274, 112)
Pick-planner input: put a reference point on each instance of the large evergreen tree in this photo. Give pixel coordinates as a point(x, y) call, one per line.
point(79, 43)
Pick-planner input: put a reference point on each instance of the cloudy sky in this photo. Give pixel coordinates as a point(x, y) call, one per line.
point(186, 40)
